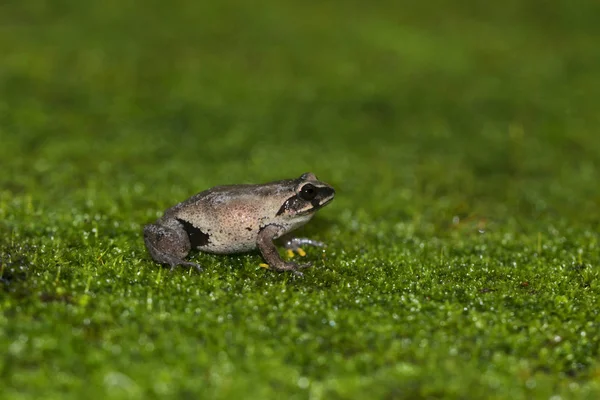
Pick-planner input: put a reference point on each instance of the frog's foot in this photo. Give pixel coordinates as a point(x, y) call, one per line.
point(183, 263)
point(292, 267)
point(269, 251)
point(287, 266)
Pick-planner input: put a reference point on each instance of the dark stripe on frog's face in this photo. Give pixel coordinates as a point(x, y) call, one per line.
point(197, 237)
point(299, 206)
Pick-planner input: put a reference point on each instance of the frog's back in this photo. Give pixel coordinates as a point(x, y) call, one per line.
point(222, 196)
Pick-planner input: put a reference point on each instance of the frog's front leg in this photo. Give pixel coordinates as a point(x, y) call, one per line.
point(168, 243)
point(267, 247)
point(295, 244)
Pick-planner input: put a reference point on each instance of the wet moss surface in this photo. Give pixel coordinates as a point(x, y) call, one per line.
point(463, 143)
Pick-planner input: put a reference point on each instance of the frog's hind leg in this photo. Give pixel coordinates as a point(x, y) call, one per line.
point(168, 245)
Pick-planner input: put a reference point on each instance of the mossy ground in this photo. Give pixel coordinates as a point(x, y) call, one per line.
point(463, 141)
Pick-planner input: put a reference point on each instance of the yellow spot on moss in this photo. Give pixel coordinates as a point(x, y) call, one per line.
point(263, 265)
point(301, 252)
point(289, 253)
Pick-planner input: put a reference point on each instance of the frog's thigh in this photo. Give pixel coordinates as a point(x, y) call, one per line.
point(167, 242)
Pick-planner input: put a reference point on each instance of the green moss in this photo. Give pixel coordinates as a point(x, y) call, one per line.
point(462, 139)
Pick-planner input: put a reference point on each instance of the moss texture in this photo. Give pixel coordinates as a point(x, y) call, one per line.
point(463, 141)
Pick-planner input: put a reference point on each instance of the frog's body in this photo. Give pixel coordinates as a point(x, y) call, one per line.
point(238, 218)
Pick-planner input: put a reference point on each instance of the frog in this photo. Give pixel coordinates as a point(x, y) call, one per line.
point(240, 218)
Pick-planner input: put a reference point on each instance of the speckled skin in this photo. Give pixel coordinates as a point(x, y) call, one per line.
point(238, 218)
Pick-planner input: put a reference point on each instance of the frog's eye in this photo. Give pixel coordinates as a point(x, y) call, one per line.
point(308, 192)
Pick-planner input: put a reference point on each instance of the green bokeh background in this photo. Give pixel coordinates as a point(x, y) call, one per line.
point(462, 139)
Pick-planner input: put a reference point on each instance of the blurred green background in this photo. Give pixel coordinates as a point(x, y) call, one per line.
point(461, 137)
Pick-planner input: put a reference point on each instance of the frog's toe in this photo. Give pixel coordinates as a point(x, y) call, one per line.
point(194, 265)
point(299, 267)
point(290, 266)
point(185, 264)
point(295, 267)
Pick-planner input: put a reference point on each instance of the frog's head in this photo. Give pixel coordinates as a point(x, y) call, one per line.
point(309, 194)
